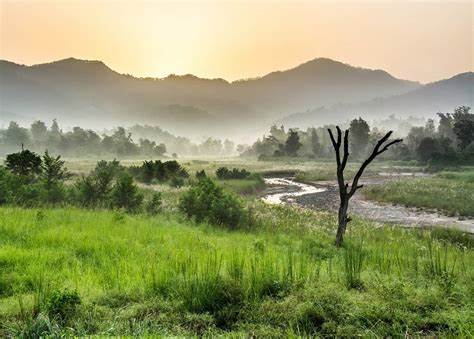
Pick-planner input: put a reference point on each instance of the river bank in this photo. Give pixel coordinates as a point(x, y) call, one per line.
point(325, 196)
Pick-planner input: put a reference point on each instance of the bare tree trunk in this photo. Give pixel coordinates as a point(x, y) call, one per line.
point(343, 219)
point(344, 193)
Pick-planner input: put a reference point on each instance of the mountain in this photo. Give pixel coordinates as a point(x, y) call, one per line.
point(88, 93)
point(439, 96)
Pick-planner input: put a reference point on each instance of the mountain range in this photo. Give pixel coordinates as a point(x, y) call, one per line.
point(90, 94)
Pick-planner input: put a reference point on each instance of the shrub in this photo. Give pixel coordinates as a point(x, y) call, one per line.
point(85, 191)
point(95, 189)
point(125, 194)
point(103, 174)
point(62, 305)
point(161, 171)
point(153, 206)
point(177, 182)
point(5, 183)
point(235, 173)
point(207, 201)
point(200, 174)
point(147, 171)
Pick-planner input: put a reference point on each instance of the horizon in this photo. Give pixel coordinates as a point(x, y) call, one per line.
point(226, 40)
point(236, 80)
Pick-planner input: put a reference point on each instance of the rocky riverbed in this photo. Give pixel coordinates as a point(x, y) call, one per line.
point(325, 196)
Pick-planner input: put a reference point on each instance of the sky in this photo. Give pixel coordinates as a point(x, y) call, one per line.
point(416, 40)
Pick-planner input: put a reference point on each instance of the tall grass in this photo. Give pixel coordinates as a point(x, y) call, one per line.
point(450, 192)
point(162, 275)
point(354, 256)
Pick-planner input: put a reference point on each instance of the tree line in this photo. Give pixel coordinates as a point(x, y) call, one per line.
point(77, 142)
point(119, 142)
point(448, 141)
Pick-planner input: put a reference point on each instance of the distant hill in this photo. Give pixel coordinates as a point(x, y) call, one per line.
point(439, 96)
point(88, 93)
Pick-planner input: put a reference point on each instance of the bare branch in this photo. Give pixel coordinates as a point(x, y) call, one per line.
point(346, 149)
point(376, 151)
point(388, 145)
point(332, 138)
point(336, 145)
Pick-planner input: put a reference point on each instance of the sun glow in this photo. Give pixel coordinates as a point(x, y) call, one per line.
point(241, 39)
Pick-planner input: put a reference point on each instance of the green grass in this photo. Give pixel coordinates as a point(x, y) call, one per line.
point(164, 275)
point(249, 187)
point(449, 192)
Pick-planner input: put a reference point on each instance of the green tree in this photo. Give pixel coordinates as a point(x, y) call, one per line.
point(16, 135)
point(360, 134)
point(125, 194)
point(24, 163)
point(39, 132)
point(427, 148)
point(445, 127)
point(103, 175)
point(278, 133)
point(315, 144)
point(292, 144)
point(53, 171)
point(464, 126)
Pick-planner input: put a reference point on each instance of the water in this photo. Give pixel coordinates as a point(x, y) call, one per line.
point(291, 188)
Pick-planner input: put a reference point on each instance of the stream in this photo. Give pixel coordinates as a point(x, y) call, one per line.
point(325, 196)
point(286, 190)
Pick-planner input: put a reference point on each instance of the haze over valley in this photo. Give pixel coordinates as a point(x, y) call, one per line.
point(318, 92)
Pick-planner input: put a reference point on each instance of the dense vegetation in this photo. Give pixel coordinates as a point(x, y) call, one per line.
point(450, 143)
point(79, 142)
point(158, 171)
point(235, 173)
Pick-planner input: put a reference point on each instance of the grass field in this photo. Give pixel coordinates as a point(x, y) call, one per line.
point(139, 275)
point(449, 192)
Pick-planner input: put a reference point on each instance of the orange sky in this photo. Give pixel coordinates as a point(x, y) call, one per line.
point(415, 40)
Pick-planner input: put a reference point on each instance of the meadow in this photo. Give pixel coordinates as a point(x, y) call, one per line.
point(450, 193)
point(68, 271)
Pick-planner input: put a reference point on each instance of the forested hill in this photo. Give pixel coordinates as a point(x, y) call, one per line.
point(90, 94)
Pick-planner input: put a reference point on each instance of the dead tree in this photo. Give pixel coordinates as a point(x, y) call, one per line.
point(346, 192)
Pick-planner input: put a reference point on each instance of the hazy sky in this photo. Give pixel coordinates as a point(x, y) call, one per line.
point(415, 40)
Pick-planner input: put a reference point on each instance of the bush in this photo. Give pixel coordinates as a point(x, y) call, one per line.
point(94, 189)
point(19, 190)
point(158, 170)
point(235, 173)
point(5, 183)
point(85, 191)
point(177, 182)
point(207, 201)
point(125, 194)
point(103, 174)
point(200, 174)
point(153, 206)
point(62, 305)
